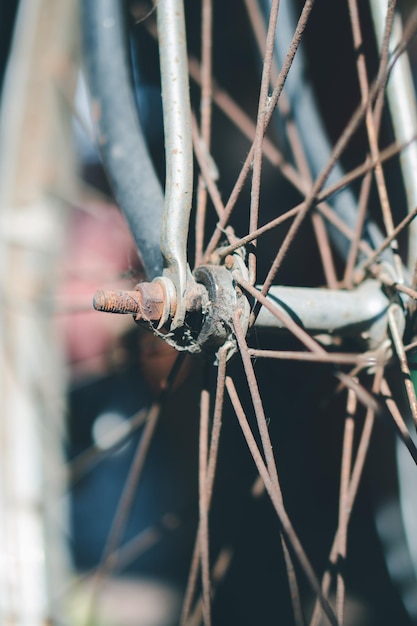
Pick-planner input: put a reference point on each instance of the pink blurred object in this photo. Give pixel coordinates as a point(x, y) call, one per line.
point(100, 253)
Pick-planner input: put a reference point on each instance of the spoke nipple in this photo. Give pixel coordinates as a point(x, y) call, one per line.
point(229, 262)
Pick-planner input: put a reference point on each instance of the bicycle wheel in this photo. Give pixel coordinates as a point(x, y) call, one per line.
point(249, 301)
point(217, 313)
point(37, 170)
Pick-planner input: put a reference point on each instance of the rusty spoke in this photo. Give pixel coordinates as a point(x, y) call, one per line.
point(307, 340)
point(371, 127)
point(260, 130)
point(320, 232)
point(302, 22)
point(398, 420)
point(338, 150)
point(356, 476)
point(395, 316)
point(342, 358)
point(388, 240)
point(210, 476)
point(267, 450)
point(291, 538)
point(344, 502)
point(207, 179)
point(219, 571)
point(205, 112)
point(354, 247)
point(203, 505)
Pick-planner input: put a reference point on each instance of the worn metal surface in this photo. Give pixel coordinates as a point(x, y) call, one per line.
point(359, 313)
point(178, 147)
point(146, 301)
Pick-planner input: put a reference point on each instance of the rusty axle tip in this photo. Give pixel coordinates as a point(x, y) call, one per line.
point(119, 301)
point(147, 301)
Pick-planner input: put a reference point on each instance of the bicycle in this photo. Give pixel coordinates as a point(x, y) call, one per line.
point(363, 327)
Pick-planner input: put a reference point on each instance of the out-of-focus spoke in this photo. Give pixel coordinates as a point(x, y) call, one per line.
point(219, 571)
point(291, 538)
point(395, 315)
point(344, 502)
point(87, 459)
point(124, 506)
point(354, 248)
point(206, 174)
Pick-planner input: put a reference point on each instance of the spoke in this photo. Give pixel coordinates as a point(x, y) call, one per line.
point(291, 538)
point(260, 131)
point(205, 110)
point(320, 232)
point(247, 127)
point(324, 209)
point(311, 344)
point(395, 317)
point(211, 472)
point(354, 248)
point(244, 123)
point(398, 419)
point(219, 571)
point(342, 358)
point(293, 585)
point(258, 26)
point(344, 502)
point(372, 129)
point(257, 403)
point(86, 460)
point(388, 240)
point(108, 561)
point(338, 150)
point(203, 506)
point(302, 22)
point(383, 277)
point(357, 472)
point(267, 450)
point(324, 249)
point(130, 551)
point(206, 174)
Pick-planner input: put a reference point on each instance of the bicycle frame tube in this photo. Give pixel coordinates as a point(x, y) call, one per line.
point(178, 148)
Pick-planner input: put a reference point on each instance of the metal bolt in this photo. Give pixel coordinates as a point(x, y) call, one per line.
point(145, 302)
